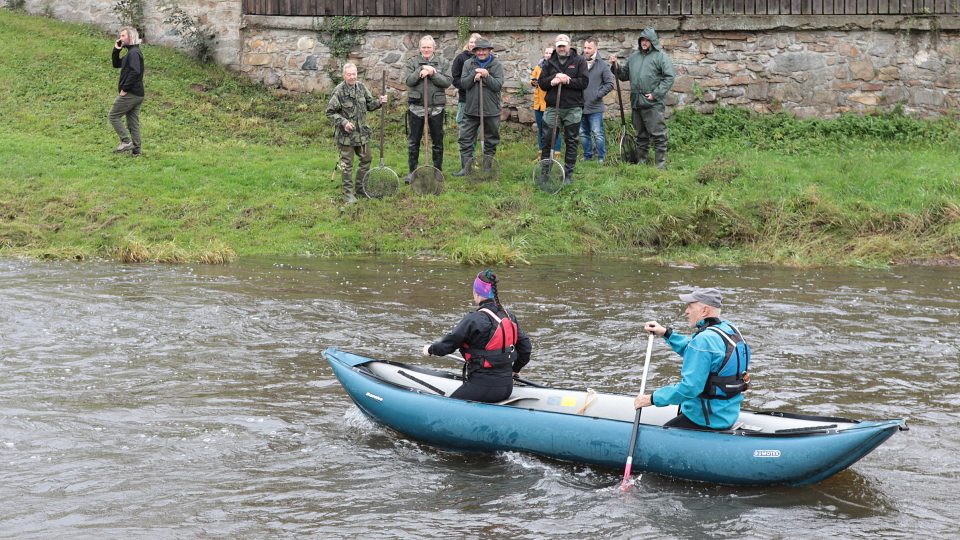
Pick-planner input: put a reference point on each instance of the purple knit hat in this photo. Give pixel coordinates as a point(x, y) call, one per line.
point(481, 287)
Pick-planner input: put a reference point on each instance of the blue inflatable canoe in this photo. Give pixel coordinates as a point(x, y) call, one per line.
point(762, 448)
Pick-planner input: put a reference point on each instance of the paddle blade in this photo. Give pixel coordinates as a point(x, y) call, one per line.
point(483, 169)
point(427, 180)
point(380, 182)
point(548, 174)
point(626, 482)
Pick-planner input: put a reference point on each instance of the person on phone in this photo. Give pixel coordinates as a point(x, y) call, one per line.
point(130, 89)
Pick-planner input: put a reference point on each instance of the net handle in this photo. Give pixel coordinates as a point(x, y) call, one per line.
point(426, 126)
point(553, 139)
point(483, 147)
point(623, 118)
point(383, 111)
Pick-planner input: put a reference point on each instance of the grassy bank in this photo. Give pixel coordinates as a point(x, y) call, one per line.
point(232, 169)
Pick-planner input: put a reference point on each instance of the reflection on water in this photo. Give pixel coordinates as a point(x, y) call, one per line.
point(192, 401)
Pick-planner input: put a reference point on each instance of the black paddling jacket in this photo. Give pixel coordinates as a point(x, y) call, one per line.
point(475, 330)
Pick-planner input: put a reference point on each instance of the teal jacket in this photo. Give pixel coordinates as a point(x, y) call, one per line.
point(702, 353)
point(648, 72)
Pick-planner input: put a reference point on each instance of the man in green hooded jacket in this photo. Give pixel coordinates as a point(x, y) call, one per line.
point(650, 72)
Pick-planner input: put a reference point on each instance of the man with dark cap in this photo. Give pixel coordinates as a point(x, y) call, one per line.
point(567, 70)
point(714, 372)
point(650, 72)
point(482, 68)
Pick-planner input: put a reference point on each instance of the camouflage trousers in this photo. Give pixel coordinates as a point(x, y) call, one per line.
point(345, 165)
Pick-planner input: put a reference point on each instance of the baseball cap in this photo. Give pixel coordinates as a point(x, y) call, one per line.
point(710, 297)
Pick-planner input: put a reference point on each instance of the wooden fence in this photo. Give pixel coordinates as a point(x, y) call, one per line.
point(539, 8)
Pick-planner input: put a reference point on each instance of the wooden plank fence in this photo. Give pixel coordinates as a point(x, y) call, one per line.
point(539, 8)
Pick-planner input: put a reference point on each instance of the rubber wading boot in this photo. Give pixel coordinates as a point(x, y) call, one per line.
point(661, 157)
point(348, 195)
point(463, 166)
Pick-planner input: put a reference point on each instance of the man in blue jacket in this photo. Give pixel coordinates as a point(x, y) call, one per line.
point(714, 372)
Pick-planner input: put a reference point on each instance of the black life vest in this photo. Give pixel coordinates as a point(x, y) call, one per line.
point(500, 351)
point(731, 378)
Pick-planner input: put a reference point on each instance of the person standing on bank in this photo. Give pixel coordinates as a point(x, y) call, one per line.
point(347, 109)
point(493, 346)
point(651, 75)
point(131, 92)
point(540, 104)
point(456, 72)
point(483, 68)
point(592, 136)
point(714, 372)
point(568, 70)
point(431, 67)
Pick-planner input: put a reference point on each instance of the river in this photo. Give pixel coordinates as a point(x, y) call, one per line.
point(192, 401)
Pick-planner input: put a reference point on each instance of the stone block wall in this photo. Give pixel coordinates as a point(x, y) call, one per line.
point(809, 65)
point(809, 71)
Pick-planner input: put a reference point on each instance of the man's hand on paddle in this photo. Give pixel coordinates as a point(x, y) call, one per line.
point(654, 328)
point(643, 400)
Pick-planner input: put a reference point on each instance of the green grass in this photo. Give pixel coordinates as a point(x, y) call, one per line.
point(234, 169)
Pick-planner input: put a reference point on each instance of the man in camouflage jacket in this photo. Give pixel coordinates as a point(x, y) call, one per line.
point(348, 109)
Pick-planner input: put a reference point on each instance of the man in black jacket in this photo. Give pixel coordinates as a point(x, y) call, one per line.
point(567, 70)
point(131, 92)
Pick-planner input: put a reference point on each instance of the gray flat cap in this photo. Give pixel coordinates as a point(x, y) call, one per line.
point(710, 297)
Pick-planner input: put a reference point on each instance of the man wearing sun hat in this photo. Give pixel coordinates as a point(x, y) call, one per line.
point(714, 372)
point(567, 70)
point(483, 67)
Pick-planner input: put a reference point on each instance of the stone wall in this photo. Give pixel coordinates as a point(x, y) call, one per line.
point(809, 65)
point(223, 17)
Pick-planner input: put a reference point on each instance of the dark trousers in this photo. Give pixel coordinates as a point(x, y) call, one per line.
point(681, 421)
point(649, 125)
point(571, 140)
point(473, 391)
point(416, 136)
point(469, 129)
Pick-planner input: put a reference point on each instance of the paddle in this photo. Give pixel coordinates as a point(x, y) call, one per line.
point(625, 484)
point(518, 379)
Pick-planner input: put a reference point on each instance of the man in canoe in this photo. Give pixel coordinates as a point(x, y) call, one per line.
point(714, 372)
point(493, 346)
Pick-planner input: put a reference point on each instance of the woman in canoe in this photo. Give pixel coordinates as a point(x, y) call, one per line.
point(493, 346)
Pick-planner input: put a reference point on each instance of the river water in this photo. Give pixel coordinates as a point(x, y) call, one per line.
point(192, 401)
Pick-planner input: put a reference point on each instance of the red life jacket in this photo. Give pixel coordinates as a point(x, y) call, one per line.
point(500, 349)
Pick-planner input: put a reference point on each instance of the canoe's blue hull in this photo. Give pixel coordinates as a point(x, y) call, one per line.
point(725, 458)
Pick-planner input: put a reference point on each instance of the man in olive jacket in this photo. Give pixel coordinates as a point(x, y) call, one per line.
point(567, 70)
point(347, 109)
point(435, 70)
point(650, 72)
point(483, 67)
